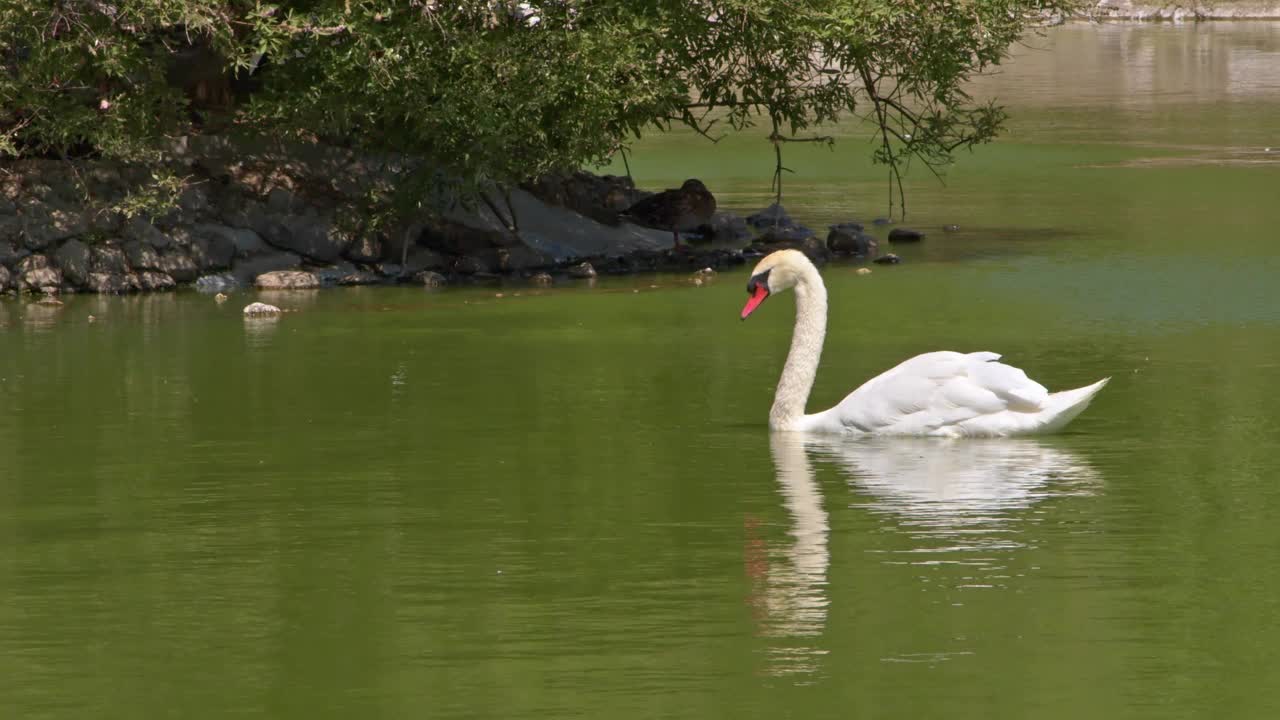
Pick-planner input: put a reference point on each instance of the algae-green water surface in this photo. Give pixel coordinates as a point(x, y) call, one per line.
point(565, 503)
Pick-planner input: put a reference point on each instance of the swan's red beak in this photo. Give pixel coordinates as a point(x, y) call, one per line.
point(757, 297)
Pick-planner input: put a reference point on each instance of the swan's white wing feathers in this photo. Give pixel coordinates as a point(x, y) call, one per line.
point(942, 393)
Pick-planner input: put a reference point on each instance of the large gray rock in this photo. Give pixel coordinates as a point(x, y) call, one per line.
point(216, 283)
point(212, 251)
point(559, 232)
point(242, 241)
point(178, 265)
point(6, 279)
point(287, 280)
point(844, 240)
point(361, 277)
point(421, 258)
point(11, 253)
point(772, 216)
point(108, 258)
point(10, 229)
point(106, 222)
point(194, 201)
point(430, 278)
point(150, 281)
point(249, 268)
point(282, 201)
point(35, 273)
point(726, 227)
point(142, 256)
point(34, 261)
point(311, 235)
point(365, 248)
point(73, 258)
point(334, 273)
point(43, 225)
point(107, 283)
point(142, 231)
point(785, 233)
point(521, 257)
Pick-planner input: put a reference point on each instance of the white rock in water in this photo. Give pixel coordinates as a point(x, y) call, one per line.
point(261, 309)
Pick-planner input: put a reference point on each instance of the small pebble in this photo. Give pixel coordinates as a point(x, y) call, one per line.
point(220, 298)
point(863, 271)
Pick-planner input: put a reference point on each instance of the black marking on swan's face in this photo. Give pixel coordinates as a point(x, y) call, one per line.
point(759, 280)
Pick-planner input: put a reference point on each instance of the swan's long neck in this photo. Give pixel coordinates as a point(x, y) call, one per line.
point(806, 350)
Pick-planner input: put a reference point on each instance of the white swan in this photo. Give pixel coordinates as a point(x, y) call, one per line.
point(942, 394)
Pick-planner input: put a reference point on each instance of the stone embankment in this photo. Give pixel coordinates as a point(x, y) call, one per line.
point(274, 218)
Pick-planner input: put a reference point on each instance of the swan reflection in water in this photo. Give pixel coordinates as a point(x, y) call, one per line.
point(971, 489)
point(956, 487)
point(788, 581)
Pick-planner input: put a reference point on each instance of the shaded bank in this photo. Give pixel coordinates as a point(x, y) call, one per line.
point(244, 214)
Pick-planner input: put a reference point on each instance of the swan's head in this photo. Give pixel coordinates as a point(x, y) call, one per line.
point(778, 271)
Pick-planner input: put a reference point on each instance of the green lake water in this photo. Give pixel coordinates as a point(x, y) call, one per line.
point(566, 503)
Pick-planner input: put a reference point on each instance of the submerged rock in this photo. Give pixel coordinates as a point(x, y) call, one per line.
point(772, 216)
point(847, 241)
point(541, 278)
point(582, 271)
point(889, 259)
point(216, 283)
point(902, 235)
point(725, 227)
point(431, 279)
point(260, 308)
point(951, 228)
point(785, 233)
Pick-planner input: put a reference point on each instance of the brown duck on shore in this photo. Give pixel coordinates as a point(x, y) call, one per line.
point(687, 208)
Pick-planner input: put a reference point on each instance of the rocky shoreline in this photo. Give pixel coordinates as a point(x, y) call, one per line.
point(271, 217)
point(1193, 10)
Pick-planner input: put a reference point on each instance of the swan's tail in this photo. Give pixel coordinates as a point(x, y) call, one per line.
point(1063, 407)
